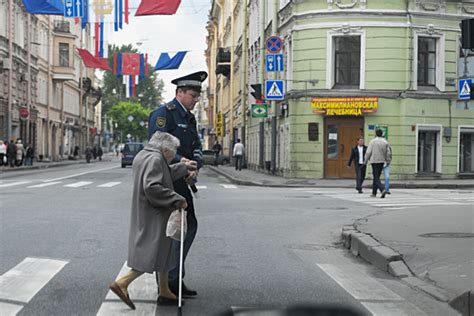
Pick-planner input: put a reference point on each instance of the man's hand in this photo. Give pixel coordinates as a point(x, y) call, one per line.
point(183, 204)
point(191, 165)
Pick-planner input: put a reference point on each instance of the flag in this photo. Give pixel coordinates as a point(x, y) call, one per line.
point(131, 64)
point(52, 7)
point(157, 7)
point(118, 64)
point(85, 15)
point(167, 63)
point(91, 61)
point(142, 66)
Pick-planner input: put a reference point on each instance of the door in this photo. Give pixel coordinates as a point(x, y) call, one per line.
point(341, 135)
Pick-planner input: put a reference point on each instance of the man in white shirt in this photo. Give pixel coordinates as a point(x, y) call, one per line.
point(357, 155)
point(238, 154)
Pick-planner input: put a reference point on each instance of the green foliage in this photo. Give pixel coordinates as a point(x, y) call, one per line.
point(149, 91)
point(120, 114)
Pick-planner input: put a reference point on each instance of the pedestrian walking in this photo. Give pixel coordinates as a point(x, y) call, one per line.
point(217, 150)
point(3, 153)
point(100, 152)
point(94, 152)
point(11, 153)
point(386, 172)
point(238, 154)
point(30, 152)
point(149, 250)
point(176, 118)
point(357, 156)
point(378, 153)
point(88, 153)
point(20, 153)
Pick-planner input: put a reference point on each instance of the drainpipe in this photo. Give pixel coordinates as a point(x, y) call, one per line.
point(274, 110)
point(10, 71)
point(231, 91)
point(28, 71)
point(261, 146)
point(243, 78)
point(221, 94)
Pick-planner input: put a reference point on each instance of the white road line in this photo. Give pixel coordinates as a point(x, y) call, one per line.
point(11, 184)
point(143, 291)
point(108, 185)
point(81, 174)
point(78, 184)
point(201, 187)
point(229, 186)
point(42, 185)
point(359, 284)
point(417, 204)
point(25, 280)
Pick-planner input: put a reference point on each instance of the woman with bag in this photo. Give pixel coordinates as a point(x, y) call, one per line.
point(149, 250)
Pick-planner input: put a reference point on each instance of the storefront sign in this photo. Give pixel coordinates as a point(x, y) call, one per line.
point(345, 106)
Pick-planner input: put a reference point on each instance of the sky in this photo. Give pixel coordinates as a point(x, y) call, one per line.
point(186, 30)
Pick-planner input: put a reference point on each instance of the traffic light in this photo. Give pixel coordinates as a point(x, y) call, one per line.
point(472, 91)
point(467, 34)
point(257, 92)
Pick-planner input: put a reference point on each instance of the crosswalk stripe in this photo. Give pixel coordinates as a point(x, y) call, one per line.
point(22, 282)
point(416, 204)
point(11, 184)
point(42, 185)
point(142, 291)
point(201, 187)
point(392, 309)
point(229, 186)
point(108, 185)
point(78, 184)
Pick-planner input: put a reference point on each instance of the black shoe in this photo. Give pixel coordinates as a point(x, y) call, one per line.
point(383, 194)
point(166, 301)
point(186, 292)
point(373, 195)
point(388, 192)
point(360, 191)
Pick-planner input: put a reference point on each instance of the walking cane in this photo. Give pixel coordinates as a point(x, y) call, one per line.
point(181, 259)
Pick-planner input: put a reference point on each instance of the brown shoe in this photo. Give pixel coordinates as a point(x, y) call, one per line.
point(167, 301)
point(124, 297)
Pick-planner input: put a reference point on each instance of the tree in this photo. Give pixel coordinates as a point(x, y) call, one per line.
point(131, 118)
point(149, 90)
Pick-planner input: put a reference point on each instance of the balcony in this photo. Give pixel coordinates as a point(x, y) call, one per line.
point(62, 27)
point(61, 73)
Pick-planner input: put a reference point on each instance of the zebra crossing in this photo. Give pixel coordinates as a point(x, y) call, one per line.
point(400, 198)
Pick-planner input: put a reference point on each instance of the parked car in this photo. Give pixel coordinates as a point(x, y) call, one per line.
point(208, 158)
point(129, 151)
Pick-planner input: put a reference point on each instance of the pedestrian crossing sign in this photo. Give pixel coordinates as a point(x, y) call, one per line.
point(465, 89)
point(275, 90)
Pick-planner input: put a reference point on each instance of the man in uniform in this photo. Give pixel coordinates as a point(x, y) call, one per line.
point(175, 118)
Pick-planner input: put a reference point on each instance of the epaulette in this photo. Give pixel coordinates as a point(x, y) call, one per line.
point(170, 106)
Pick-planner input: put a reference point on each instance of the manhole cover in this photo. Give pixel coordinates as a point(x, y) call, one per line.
point(448, 235)
point(313, 247)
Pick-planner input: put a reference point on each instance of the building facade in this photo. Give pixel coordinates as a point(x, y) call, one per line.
point(48, 96)
point(352, 66)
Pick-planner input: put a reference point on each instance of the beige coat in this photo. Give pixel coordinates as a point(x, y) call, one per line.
point(378, 151)
point(153, 201)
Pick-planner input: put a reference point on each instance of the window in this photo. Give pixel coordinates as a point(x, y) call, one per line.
point(63, 54)
point(426, 61)
point(466, 150)
point(429, 149)
point(347, 57)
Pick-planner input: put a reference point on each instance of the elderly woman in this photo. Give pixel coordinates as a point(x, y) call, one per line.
point(153, 200)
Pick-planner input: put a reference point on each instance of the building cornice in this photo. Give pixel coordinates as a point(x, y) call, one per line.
point(405, 94)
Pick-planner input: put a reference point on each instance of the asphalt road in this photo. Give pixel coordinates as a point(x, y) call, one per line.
point(64, 239)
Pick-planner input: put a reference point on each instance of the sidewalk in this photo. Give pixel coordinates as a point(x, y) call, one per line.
point(255, 178)
point(429, 248)
point(53, 164)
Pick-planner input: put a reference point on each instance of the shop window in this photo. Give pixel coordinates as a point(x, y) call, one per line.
point(426, 61)
point(63, 54)
point(466, 150)
point(429, 150)
point(347, 61)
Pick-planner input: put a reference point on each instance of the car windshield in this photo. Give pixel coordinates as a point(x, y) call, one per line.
point(132, 148)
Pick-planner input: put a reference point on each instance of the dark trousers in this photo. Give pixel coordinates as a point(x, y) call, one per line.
point(1, 159)
point(360, 175)
point(377, 169)
point(173, 276)
point(238, 162)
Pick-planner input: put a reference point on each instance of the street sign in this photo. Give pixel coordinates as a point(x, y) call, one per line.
point(73, 8)
point(273, 44)
point(259, 110)
point(275, 62)
point(275, 90)
point(465, 89)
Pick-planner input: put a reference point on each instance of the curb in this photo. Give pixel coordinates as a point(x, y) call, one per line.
point(386, 259)
point(48, 166)
point(394, 185)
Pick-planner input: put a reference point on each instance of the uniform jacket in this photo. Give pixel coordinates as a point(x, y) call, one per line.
point(378, 151)
point(153, 201)
point(174, 119)
point(355, 154)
